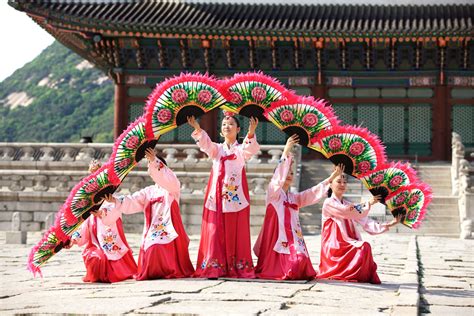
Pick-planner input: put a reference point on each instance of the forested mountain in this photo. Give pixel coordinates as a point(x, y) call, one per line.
point(57, 97)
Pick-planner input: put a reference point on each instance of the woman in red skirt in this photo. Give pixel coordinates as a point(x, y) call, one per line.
point(224, 249)
point(164, 251)
point(344, 256)
point(107, 256)
point(280, 247)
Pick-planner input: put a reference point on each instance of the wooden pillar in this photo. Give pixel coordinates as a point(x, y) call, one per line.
point(441, 123)
point(209, 123)
point(120, 108)
point(319, 91)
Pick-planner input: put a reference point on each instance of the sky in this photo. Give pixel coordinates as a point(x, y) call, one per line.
point(22, 39)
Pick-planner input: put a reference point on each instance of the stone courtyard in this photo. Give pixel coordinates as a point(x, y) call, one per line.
point(420, 275)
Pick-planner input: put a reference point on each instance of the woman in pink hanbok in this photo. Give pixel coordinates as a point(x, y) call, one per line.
point(107, 255)
point(224, 249)
point(164, 251)
point(344, 256)
point(280, 247)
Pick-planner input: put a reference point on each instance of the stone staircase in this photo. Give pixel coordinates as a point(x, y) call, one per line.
point(442, 218)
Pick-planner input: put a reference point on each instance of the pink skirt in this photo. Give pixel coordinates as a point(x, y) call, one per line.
point(167, 261)
point(225, 254)
point(100, 269)
point(279, 266)
point(341, 260)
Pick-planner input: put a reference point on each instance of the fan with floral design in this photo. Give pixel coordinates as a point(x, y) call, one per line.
point(172, 101)
point(250, 94)
point(356, 148)
point(303, 116)
point(388, 178)
point(47, 247)
point(129, 149)
point(85, 197)
point(411, 203)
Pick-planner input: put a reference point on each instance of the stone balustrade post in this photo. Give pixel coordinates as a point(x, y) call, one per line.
point(8, 154)
point(191, 154)
point(86, 154)
point(254, 160)
point(41, 182)
point(276, 155)
point(47, 153)
point(27, 153)
point(15, 236)
point(466, 201)
point(69, 154)
point(458, 152)
point(170, 155)
point(16, 183)
point(49, 221)
point(185, 185)
point(260, 185)
point(63, 184)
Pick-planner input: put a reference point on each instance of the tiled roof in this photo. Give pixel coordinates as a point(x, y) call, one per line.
point(223, 18)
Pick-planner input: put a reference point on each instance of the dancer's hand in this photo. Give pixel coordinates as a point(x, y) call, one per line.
point(338, 170)
point(194, 124)
point(375, 199)
point(69, 244)
point(290, 142)
point(110, 198)
point(150, 154)
point(395, 220)
point(252, 126)
point(98, 213)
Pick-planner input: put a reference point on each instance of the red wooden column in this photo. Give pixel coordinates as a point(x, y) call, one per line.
point(441, 125)
point(319, 91)
point(208, 122)
point(120, 108)
point(441, 112)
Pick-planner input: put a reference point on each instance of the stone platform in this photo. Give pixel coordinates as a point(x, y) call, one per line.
point(419, 275)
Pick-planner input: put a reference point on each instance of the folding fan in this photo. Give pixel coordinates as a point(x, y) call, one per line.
point(356, 148)
point(251, 93)
point(388, 178)
point(172, 101)
point(304, 116)
point(129, 149)
point(411, 202)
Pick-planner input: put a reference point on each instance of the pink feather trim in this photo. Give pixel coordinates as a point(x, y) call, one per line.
point(165, 85)
point(113, 177)
point(362, 132)
point(321, 105)
point(257, 77)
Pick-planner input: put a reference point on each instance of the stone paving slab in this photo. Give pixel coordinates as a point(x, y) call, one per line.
point(395, 255)
point(447, 283)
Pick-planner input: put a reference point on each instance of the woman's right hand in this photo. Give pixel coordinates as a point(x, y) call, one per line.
point(290, 142)
point(194, 124)
point(375, 199)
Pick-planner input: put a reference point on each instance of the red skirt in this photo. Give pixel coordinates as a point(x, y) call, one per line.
point(341, 260)
point(225, 254)
point(167, 261)
point(100, 269)
point(279, 266)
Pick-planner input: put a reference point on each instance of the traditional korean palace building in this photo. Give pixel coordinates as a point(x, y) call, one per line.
point(404, 71)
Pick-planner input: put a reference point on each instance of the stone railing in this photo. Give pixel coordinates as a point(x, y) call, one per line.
point(462, 173)
point(35, 180)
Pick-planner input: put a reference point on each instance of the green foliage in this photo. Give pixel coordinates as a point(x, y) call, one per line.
point(72, 105)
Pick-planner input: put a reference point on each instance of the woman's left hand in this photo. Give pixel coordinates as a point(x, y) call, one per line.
point(150, 154)
point(252, 126)
point(395, 221)
point(375, 199)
